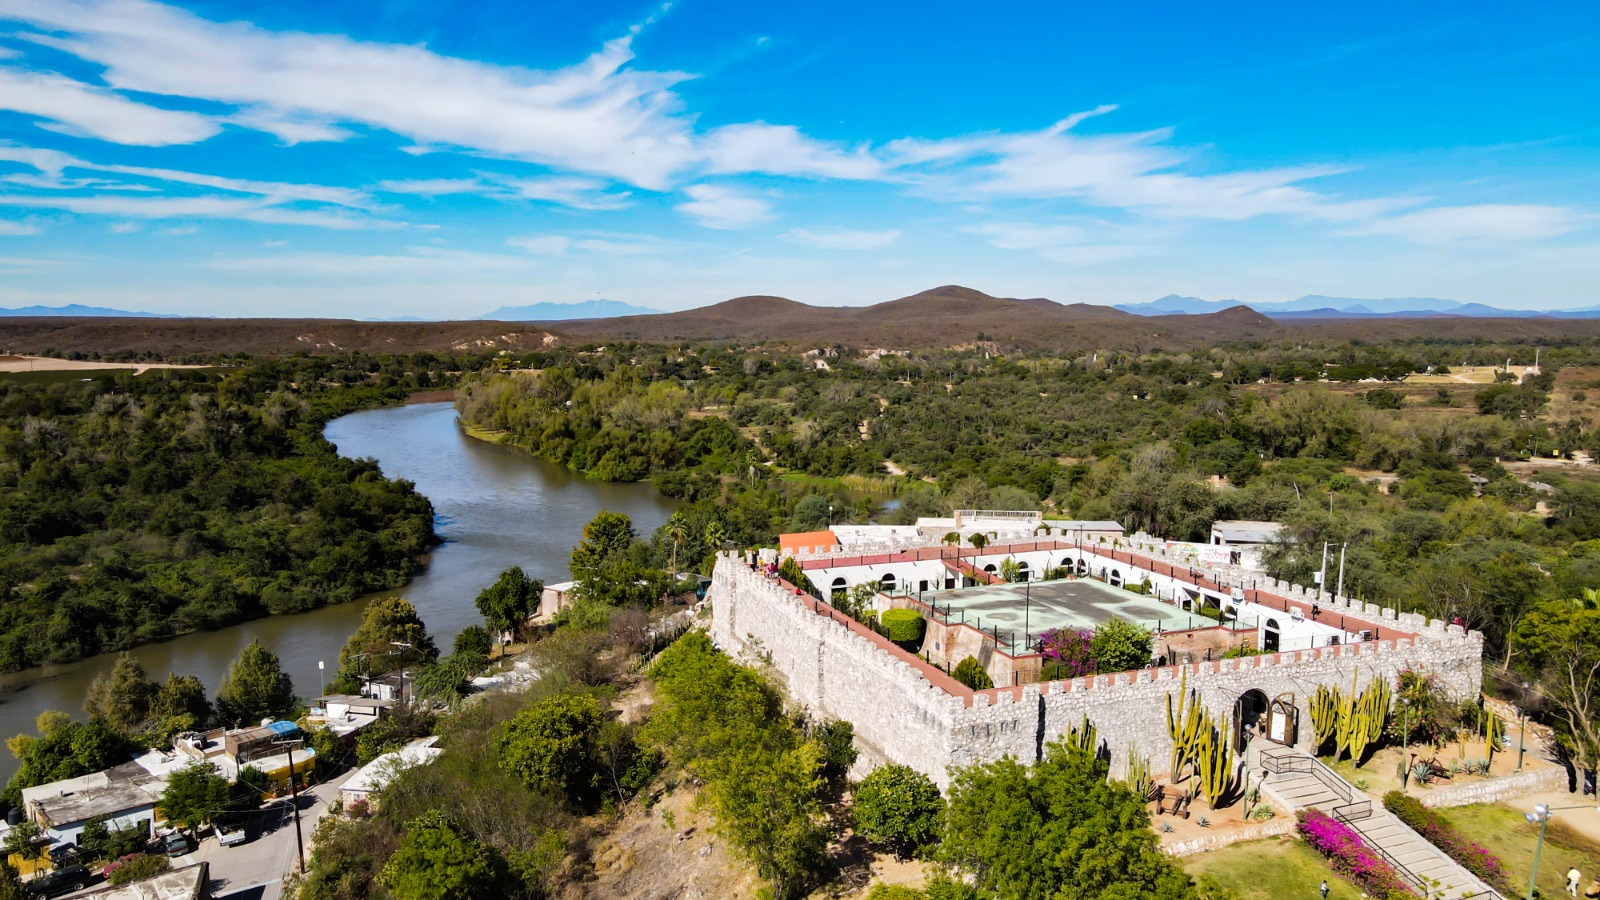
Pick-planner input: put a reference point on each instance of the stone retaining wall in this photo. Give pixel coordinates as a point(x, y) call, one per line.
point(1277, 826)
point(1494, 790)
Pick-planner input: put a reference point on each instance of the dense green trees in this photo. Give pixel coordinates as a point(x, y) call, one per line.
point(391, 635)
point(255, 688)
point(507, 604)
point(552, 746)
point(136, 508)
point(1057, 830)
point(438, 861)
point(897, 806)
point(1557, 644)
point(194, 795)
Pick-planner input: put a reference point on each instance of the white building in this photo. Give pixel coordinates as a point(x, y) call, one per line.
point(1245, 539)
point(376, 775)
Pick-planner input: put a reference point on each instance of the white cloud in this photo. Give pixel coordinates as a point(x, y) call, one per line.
point(1083, 243)
point(542, 244)
point(125, 227)
point(288, 128)
point(715, 206)
point(433, 187)
point(181, 230)
point(17, 229)
point(1487, 223)
point(83, 110)
point(599, 115)
point(576, 192)
point(250, 209)
point(419, 261)
point(842, 239)
point(783, 150)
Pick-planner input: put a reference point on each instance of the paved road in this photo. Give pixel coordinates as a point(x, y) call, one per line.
point(255, 869)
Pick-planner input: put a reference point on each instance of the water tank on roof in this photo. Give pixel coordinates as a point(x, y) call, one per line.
point(14, 817)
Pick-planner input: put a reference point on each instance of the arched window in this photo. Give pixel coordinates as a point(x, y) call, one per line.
point(1269, 637)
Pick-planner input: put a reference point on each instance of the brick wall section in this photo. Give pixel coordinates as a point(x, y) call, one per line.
point(910, 712)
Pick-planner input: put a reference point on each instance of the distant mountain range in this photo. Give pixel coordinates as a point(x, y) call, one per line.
point(564, 312)
point(77, 309)
point(1317, 306)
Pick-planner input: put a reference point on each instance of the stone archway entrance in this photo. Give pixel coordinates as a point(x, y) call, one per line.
point(1249, 717)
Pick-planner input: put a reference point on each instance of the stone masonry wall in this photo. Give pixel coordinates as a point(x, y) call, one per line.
point(907, 711)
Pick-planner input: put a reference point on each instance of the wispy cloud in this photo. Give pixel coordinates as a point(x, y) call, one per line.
point(250, 209)
point(18, 229)
point(717, 206)
point(84, 110)
point(843, 239)
point(603, 243)
point(1481, 224)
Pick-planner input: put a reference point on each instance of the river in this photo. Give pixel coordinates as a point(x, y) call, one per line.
point(494, 507)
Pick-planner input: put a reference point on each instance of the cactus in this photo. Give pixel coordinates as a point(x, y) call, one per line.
point(1344, 731)
point(1370, 713)
point(1184, 726)
point(1324, 714)
point(1082, 738)
point(1493, 732)
point(1214, 762)
point(1138, 776)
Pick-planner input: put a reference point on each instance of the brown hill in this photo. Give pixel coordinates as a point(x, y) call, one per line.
point(175, 337)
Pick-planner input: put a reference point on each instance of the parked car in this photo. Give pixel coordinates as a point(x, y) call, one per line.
point(60, 881)
point(230, 830)
point(177, 844)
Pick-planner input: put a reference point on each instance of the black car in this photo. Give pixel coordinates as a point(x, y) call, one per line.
point(60, 881)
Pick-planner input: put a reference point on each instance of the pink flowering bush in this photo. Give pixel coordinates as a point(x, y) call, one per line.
point(1347, 855)
point(1067, 654)
point(1437, 831)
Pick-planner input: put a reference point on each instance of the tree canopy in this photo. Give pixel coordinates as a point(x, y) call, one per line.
point(255, 688)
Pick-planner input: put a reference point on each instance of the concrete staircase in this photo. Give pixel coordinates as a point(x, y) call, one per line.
point(1300, 781)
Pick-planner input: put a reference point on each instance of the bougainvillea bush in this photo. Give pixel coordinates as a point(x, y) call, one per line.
point(1435, 830)
point(1347, 855)
point(1066, 654)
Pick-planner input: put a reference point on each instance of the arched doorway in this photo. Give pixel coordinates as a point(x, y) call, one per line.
point(1269, 637)
point(1116, 578)
point(888, 583)
point(1023, 573)
point(1249, 717)
point(1083, 566)
point(838, 590)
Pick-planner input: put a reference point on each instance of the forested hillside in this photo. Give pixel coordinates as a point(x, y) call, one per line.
point(1325, 438)
point(135, 508)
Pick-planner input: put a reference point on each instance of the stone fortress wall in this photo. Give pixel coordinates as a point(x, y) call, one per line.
point(907, 711)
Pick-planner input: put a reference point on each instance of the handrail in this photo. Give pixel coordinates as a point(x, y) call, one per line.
point(1412, 879)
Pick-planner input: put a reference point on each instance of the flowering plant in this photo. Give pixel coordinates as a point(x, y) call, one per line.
point(1347, 854)
point(1434, 829)
point(1067, 653)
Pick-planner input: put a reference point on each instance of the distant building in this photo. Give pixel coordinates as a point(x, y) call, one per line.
point(271, 749)
point(187, 883)
point(553, 599)
point(1245, 539)
point(345, 715)
point(124, 796)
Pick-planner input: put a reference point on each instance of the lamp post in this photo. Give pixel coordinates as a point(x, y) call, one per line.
point(1540, 815)
point(1405, 741)
point(1522, 734)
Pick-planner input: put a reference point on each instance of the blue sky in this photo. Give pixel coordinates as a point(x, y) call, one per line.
point(381, 159)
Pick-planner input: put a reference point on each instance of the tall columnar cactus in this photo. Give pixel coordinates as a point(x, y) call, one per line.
point(1324, 714)
point(1345, 731)
point(1369, 714)
point(1083, 738)
point(1214, 762)
point(1138, 777)
point(1184, 726)
point(1493, 731)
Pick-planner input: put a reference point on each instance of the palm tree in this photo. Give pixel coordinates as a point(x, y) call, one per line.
point(677, 529)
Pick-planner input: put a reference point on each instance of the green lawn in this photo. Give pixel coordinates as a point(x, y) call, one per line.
point(1506, 834)
point(1273, 869)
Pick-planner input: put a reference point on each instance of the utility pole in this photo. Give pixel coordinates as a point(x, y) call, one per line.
point(1322, 573)
point(294, 795)
point(1342, 549)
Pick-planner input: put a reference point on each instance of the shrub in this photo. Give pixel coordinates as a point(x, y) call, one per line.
point(1066, 654)
point(1119, 645)
point(897, 806)
point(903, 626)
point(1440, 833)
point(139, 868)
point(1347, 855)
point(971, 673)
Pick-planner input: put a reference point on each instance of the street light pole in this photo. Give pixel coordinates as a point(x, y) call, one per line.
point(1522, 734)
point(1405, 741)
point(1541, 814)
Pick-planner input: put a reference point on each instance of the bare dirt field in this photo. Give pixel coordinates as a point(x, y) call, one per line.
point(11, 363)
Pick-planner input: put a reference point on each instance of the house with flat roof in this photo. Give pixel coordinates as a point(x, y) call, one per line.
point(271, 749)
point(124, 796)
point(345, 715)
point(376, 775)
point(1245, 539)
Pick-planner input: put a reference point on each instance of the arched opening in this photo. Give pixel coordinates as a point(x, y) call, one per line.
point(1249, 718)
point(839, 589)
point(1115, 579)
point(888, 583)
point(1023, 573)
point(990, 568)
point(1083, 566)
point(1269, 637)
